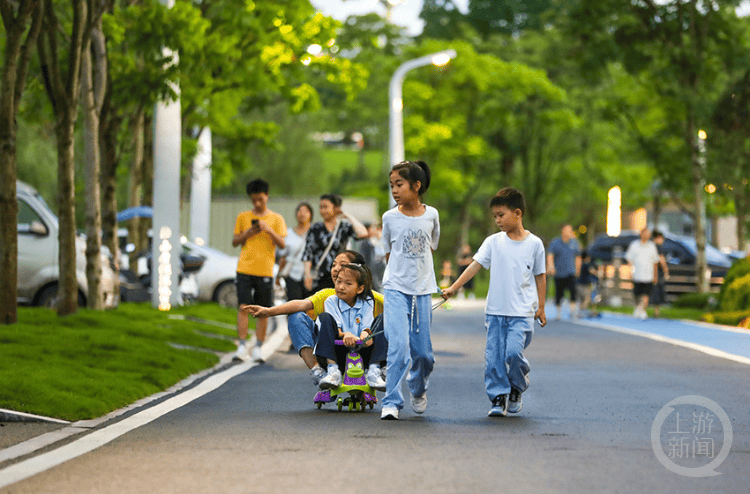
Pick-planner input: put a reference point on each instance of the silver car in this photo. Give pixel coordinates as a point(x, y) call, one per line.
point(216, 276)
point(38, 255)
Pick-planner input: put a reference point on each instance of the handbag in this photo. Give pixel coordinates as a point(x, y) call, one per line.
point(315, 272)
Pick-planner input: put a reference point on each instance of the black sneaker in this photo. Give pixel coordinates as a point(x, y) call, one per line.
point(514, 401)
point(499, 406)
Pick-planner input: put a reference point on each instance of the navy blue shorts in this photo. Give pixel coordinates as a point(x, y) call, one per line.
point(254, 290)
point(641, 289)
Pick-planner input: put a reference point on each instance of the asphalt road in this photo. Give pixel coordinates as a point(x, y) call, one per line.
point(585, 427)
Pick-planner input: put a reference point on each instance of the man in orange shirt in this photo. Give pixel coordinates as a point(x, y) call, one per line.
point(259, 232)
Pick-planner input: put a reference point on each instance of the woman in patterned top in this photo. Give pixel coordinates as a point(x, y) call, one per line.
point(319, 237)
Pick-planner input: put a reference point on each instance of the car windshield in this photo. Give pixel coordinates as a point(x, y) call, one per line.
point(713, 255)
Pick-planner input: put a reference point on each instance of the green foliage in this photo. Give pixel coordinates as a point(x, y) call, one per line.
point(91, 363)
point(740, 269)
point(737, 294)
point(729, 318)
point(695, 300)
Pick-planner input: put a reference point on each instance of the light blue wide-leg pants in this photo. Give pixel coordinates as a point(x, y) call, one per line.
point(505, 364)
point(407, 320)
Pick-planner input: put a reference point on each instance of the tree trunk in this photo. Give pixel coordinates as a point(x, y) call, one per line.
point(135, 187)
point(741, 207)
point(93, 185)
point(62, 82)
point(15, 66)
point(148, 179)
point(67, 294)
point(110, 123)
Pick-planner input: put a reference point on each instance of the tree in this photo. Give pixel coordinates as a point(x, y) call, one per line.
point(93, 86)
point(61, 55)
point(21, 23)
point(489, 17)
point(462, 136)
point(683, 49)
point(729, 142)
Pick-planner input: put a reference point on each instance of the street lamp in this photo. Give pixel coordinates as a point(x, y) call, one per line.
point(396, 102)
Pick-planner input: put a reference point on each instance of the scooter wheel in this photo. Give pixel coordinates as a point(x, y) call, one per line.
point(320, 405)
point(340, 404)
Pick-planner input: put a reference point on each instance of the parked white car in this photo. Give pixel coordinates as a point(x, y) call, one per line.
point(216, 277)
point(38, 255)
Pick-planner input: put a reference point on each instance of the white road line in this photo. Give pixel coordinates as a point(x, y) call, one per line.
point(664, 339)
point(90, 442)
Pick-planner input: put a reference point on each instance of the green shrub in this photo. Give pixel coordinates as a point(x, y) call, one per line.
point(739, 269)
point(733, 318)
point(695, 300)
point(737, 294)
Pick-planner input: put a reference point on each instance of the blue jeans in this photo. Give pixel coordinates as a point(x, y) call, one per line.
point(407, 321)
point(505, 365)
point(326, 348)
point(302, 330)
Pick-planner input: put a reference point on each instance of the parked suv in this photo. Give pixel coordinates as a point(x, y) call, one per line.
point(38, 258)
point(680, 253)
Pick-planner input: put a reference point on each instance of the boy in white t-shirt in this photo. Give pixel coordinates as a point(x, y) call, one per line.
point(518, 287)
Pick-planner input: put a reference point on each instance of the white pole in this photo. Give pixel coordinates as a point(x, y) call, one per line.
point(396, 104)
point(166, 246)
point(200, 190)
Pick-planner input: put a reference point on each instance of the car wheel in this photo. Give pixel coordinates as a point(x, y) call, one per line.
point(48, 298)
point(226, 294)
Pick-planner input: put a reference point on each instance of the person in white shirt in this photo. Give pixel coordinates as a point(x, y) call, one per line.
point(644, 260)
point(411, 232)
point(516, 296)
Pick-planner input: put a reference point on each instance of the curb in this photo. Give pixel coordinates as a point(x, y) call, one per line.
point(13, 416)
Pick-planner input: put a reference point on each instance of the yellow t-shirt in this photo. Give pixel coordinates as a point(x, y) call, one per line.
point(258, 253)
point(318, 300)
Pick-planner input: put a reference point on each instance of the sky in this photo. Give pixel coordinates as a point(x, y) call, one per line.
point(406, 14)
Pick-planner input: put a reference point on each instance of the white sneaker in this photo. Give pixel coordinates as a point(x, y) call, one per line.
point(317, 374)
point(257, 354)
point(419, 403)
point(241, 355)
point(515, 402)
point(389, 413)
point(374, 378)
point(332, 379)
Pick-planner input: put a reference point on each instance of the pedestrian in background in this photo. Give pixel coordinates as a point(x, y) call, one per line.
point(587, 280)
point(644, 260)
point(259, 232)
point(564, 264)
point(372, 250)
point(463, 260)
point(411, 232)
point(291, 267)
point(514, 257)
point(659, 294)
point(326, 239)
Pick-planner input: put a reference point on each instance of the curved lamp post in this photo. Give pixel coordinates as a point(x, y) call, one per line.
point(396, 103)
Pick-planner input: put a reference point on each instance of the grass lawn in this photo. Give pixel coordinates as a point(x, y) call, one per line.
point(667, 312)
point(90, 363)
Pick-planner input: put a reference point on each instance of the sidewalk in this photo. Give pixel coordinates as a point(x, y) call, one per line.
point(714, 339)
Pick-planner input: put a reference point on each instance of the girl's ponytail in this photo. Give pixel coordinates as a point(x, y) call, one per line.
point(427, 175)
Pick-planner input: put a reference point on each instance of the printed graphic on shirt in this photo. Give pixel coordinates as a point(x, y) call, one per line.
point(415, 243)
